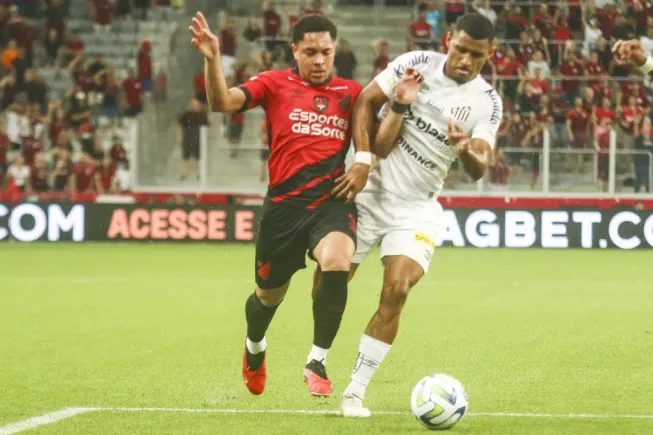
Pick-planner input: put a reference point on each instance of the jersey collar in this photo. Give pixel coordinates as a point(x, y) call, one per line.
point(295, 71)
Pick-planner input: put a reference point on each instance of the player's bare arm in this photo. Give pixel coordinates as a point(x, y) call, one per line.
point(404, 94)
point(220, 97)
point(363, 117)
point(474, 154)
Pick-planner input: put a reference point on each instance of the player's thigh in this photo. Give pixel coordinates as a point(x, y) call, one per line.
point(281, 244)
point(372, 220)
point(332, 237)
point(415, 238)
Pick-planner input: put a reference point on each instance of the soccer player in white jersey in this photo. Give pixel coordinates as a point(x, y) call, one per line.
point(437, 108)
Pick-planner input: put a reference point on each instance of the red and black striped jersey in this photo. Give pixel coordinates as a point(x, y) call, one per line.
point(309, 131)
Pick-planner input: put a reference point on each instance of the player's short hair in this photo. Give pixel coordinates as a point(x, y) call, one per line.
point(312, 24)
point(476, 26)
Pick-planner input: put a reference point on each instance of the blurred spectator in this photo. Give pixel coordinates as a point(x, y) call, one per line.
point(78, 110)
point(97, 151)
point(107, 175)
point(420, 31)
point(38, 180)
point(381, 56)
point(123, 9)
point(17, 175)
point(52, 45)
point(434, 17)
point(22, 32)
point(9, 54)
point(605, 53)
point(271, 25)
point(528, 100)
point(5, 145)
point(605, 89)
point(56, 120)
point(55, 14)
point(118, 152)
point(594, 68)
point(345, 60)
point(622, 29)
point(602, 146)
point(510, 68)
point(541, 44)
point(561, 34)
point(632, 88)
point(110, 96)
point(17, 121)
point(525, 49)
point(630, 118)
point(515, 20)
point(103, 10)
point(591, 32)
point(559, 108)
point(571, 70)
point(143, 7)
point(537, 62)
point(454, 9)
point(578, 129)
point(123, 178)
point(188, 137)
point(199, 88)
point(544, 22)
point(605, 111)
point(252, 34)
point(36, 90)
point(589, 100)
point(228, 47)
point(144, 59)
point(32, 139)
point(63, 170)
point(642, 160)
point(133, 95)
point(500, 170)
point(85, 176)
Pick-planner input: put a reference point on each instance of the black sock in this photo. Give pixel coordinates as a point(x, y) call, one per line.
point(258, 318)
point(328, 308)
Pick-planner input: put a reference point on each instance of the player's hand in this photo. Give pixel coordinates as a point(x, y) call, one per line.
point(407, 88)
point(351, 182)
point(630, 50)
point(458, 138)
point(203, 39)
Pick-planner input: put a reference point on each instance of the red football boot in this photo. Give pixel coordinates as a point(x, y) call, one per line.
point(254, 379)
point(316, 379)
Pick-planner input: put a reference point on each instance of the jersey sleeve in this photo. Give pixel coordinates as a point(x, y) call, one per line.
point(258, 90)
point(488, 124)
point(388, 78)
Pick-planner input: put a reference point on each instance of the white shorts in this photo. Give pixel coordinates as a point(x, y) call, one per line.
point(402, 227)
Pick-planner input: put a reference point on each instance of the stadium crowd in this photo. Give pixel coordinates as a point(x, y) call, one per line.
point(553, 67)
point(49, 140)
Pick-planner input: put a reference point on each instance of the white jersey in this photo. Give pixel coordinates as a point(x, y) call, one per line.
point(419, 162)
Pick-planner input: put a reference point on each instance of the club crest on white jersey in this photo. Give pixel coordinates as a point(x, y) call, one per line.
point(419, 162)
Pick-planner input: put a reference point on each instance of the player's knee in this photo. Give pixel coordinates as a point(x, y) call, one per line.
point(271, 298)
point(395, 293)
point(336, 263)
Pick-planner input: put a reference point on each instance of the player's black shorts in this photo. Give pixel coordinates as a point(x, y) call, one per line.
point(190, 149)
point(287, 232)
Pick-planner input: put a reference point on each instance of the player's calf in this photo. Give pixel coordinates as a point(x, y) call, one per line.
point(333, 254)
point(259, 311)
point(401, 274)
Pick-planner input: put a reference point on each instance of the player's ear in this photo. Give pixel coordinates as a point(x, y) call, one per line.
point(447, 40)
point(295, 51)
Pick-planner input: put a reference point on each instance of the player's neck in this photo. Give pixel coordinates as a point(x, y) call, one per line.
point(458, 81)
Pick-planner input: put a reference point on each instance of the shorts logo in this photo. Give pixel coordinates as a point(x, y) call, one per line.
point(423, 237)
point(352, 223)
point(263, 269)
point(321, 103)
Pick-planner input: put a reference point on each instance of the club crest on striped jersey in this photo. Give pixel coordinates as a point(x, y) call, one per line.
point(321, 103)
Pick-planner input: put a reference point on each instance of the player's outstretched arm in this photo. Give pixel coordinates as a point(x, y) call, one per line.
point(405, 93)
point(219, 96)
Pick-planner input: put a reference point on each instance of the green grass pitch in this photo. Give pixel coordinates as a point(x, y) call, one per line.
point(162, 326)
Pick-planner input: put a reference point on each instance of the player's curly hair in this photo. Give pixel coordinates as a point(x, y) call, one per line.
point(476, 26)
point(311, 24)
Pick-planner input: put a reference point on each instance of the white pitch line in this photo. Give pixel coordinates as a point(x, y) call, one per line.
point(42, 420)
point(330, 412)
point(62, 414)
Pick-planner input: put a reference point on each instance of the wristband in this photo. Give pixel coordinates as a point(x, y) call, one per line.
point(648, 65)
point(364, 157)
point(399, 108)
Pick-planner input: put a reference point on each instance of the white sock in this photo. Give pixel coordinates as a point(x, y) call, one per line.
point(318, 354)
point(255, 348)
point(370, 355)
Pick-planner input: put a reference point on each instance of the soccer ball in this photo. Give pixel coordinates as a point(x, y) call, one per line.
point(439, 401)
